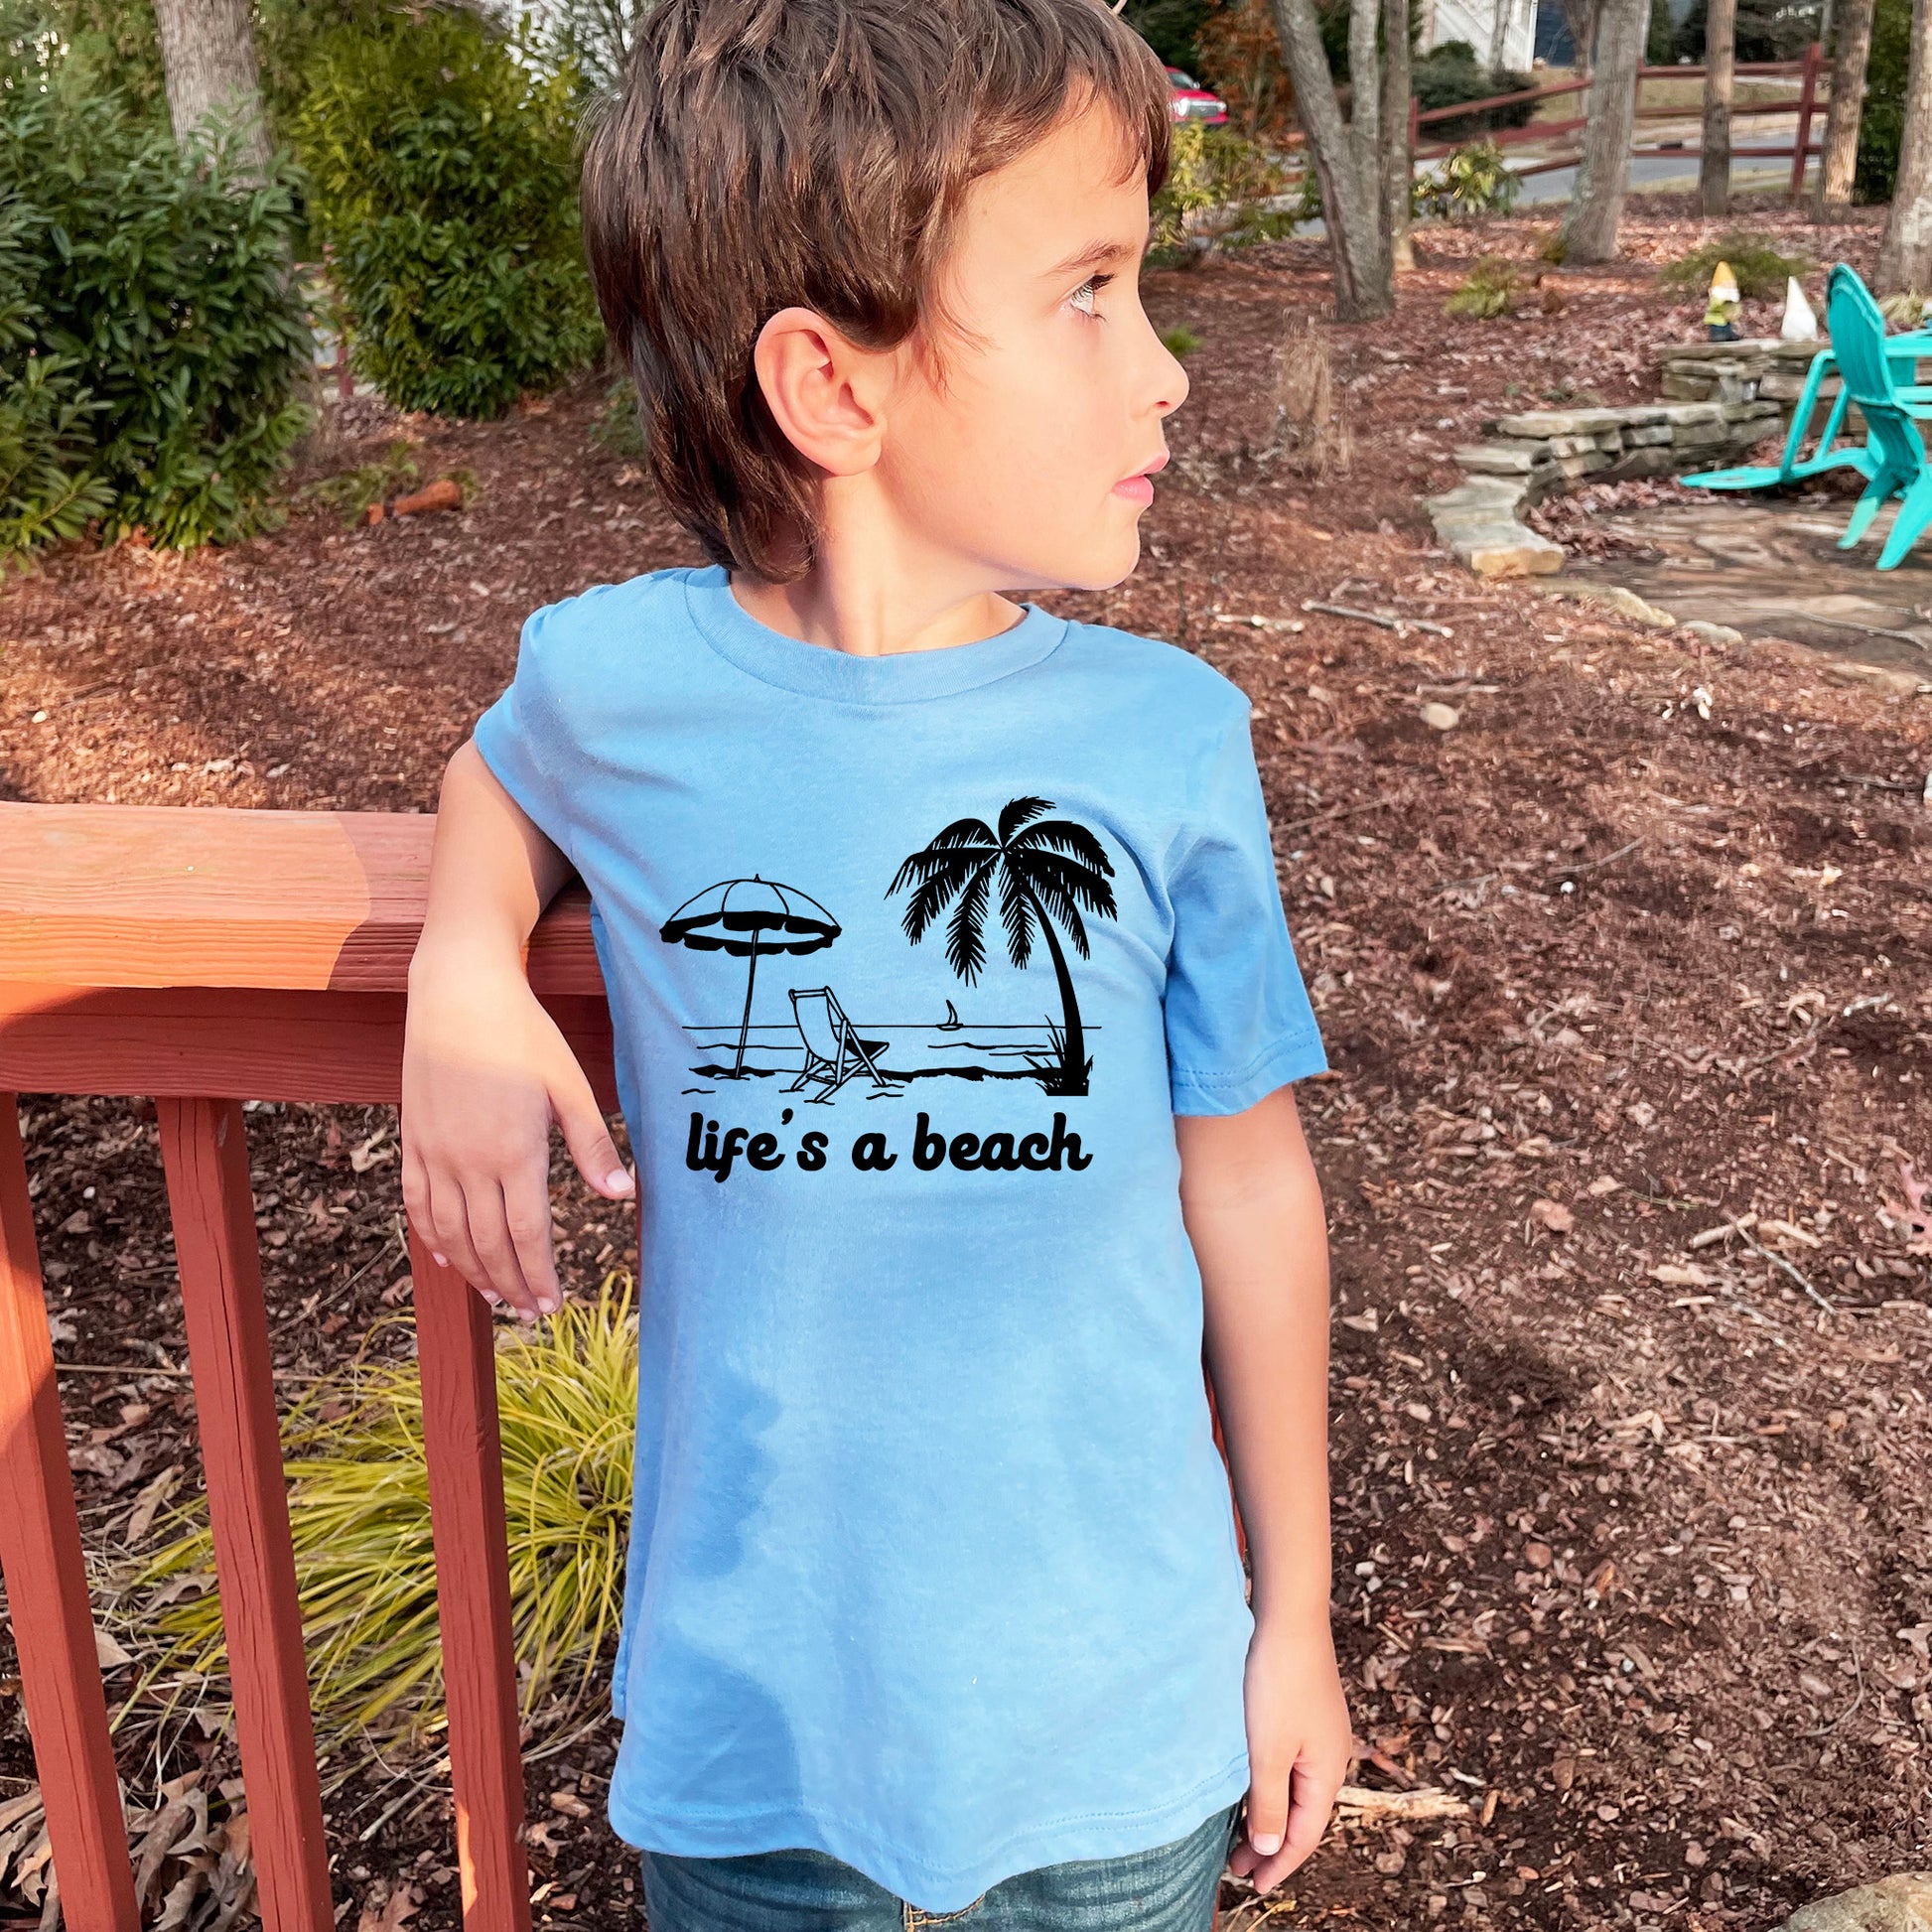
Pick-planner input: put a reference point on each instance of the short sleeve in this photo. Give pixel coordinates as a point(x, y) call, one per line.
point(524, 737)
point(1238, 1019)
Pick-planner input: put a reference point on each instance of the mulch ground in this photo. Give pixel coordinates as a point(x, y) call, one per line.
point(1633, 1550)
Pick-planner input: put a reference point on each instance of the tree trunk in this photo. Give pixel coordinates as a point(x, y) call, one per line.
point(1366, 109)
point(1579, 16)
point(1849, 56)
point(1720, 79)
point(208, 50)
point(1397, 159)
point(1590, 229)
point(1351, 202)
point(1905, 254)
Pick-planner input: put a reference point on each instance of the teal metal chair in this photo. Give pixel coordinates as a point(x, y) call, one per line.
point(1897, 452)
point(1829, 452)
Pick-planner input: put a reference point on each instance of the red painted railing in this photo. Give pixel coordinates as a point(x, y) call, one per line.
point(1806, 71)
point(198, 958)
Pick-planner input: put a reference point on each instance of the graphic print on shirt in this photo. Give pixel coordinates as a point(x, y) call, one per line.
point(1047, 872)
point(1046, 869)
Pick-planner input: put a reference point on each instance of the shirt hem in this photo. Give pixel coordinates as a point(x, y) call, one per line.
point(927, 1888)
point(1296, 1056)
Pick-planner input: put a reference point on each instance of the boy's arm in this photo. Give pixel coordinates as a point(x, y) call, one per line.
point(485, 1070)
point(1253, 1209)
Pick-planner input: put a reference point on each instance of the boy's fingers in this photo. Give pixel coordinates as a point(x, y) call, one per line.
point(489, 1239)
point(446, 1233)
point(591, 1146)
point(1266, 1823)
point(1308, 1814)
point(527, 1216)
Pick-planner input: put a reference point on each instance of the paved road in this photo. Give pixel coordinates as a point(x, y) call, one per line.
point(1654, 171)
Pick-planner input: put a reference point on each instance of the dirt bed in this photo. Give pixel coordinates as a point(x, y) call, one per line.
point(1633, 1548)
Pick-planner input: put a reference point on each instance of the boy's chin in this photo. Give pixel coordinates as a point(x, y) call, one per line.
point(1109, 562)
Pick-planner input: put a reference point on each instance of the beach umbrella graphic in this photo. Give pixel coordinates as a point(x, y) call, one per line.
point(748, 918)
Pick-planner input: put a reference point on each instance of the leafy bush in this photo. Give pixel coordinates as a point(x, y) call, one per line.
point(153, 336)
point(1179, 340)
point(1755, 260)
point(1767, 30)
point(1882, 123)
point(1449, 74)
point(1215, 194)
point(365, 1564)
point(446, 184)
point(1490, 290)
point(48, 491)
point(1471, 182)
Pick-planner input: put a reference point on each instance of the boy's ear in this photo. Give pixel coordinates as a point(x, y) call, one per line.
point(823, 391)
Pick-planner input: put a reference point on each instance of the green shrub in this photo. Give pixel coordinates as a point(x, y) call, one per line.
point(154, 339)
point(1449, 73)
point(364, 1563)
point(1488, 289)
point(1755, 260)
point(445, 180)
point(1765, 30)
point(1471, 182)
point(48, 489)
point(1179, 340)
point(1215, 194)
point(1882, 122)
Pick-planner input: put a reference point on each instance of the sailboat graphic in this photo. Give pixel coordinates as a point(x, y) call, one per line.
point(952, 1023)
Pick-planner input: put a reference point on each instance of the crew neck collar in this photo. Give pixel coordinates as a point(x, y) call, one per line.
point(898, 677)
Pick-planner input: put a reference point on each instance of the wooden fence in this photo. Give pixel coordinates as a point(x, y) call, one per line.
point(1806, 73)
point(200, 957)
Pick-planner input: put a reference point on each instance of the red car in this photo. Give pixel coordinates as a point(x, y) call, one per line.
point(1192, 102)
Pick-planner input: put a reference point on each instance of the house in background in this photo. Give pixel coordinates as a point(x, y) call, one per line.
point(1502, 32)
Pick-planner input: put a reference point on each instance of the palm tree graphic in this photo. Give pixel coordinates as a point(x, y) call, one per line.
point(1047, 870)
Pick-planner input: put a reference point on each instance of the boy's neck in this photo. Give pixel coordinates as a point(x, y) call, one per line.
point(874, 610)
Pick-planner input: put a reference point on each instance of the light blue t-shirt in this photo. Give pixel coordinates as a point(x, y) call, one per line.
point(911, 961)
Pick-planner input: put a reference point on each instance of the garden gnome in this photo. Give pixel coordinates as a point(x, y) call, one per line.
point(1800, 324)
point(1720, 316)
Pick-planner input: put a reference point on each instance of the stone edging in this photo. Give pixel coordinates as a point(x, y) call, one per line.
point(1721, 399)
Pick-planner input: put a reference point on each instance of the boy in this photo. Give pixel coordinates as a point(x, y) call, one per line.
point(954, 1013)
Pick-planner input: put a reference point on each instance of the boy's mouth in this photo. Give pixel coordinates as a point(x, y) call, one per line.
point(1138, 488)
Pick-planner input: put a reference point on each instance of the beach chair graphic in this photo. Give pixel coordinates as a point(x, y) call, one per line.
point(834, 1052)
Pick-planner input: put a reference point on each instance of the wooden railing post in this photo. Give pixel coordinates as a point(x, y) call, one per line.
point(46, 1585)
point(456, 1354)
point(1801, 142)
point(205, 1149)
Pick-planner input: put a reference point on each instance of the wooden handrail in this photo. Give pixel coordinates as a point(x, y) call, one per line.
point(130, 895)
point(200, 957)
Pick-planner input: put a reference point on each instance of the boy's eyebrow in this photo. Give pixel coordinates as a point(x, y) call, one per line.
point(1096, 254)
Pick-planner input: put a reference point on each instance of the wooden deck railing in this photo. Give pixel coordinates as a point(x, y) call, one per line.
point(200, 958)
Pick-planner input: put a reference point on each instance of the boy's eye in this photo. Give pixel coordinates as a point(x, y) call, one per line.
point(1082, 298)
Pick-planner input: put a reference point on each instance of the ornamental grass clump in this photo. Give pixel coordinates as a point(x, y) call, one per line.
point(1490, 290)
point(358, 1504)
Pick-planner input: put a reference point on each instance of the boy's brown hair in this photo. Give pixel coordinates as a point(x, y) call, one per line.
point(766, 153)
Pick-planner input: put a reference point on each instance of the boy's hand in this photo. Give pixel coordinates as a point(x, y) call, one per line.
point(485, 1072)
point(1298, 1742)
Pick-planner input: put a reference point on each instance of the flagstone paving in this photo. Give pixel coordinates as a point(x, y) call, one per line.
point(1769, 565)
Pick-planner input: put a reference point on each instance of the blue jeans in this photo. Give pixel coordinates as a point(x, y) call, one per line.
point(1169, 1888)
